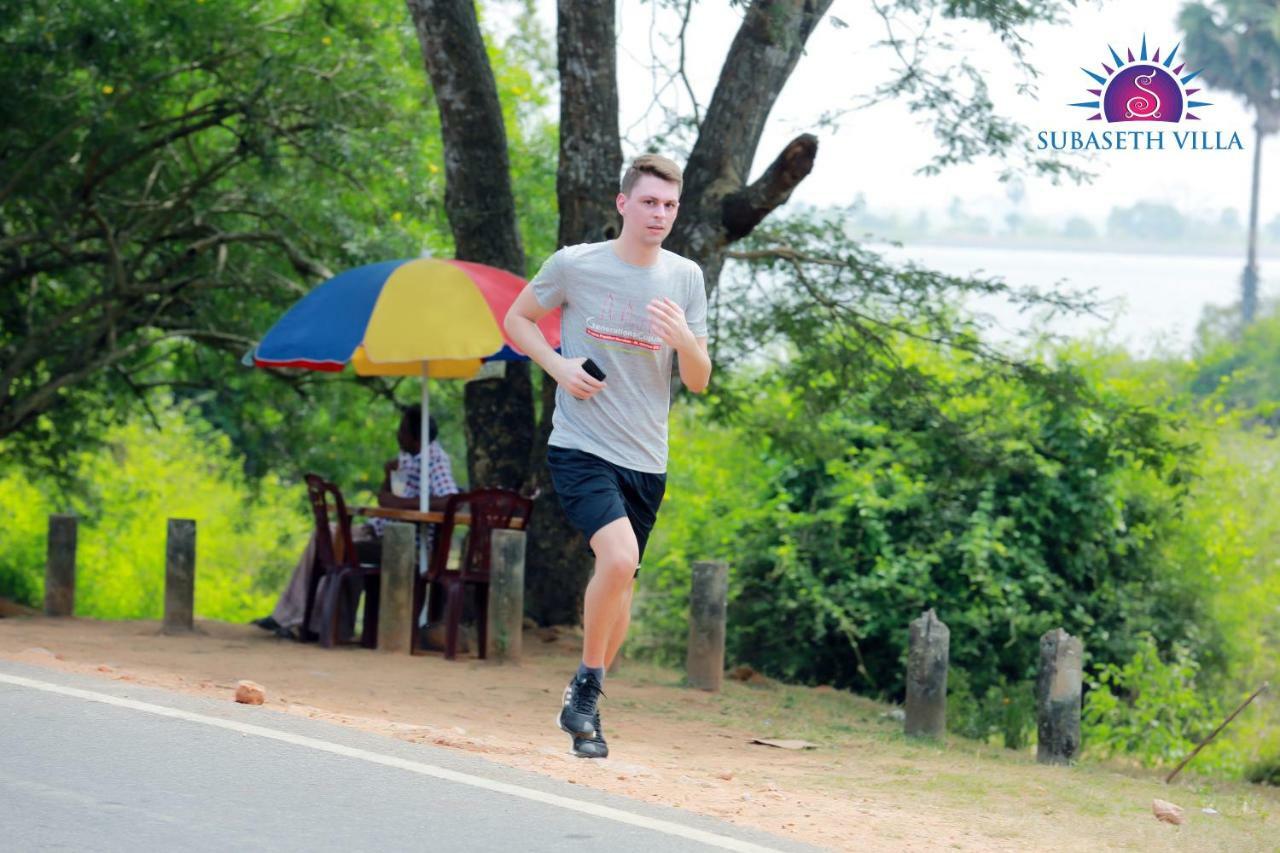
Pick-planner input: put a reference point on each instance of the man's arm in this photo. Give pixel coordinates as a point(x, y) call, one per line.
point(390, 500)
point(521, 324)
point(695, 366)
point(669, 323)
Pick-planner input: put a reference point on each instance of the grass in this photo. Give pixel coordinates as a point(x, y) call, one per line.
point(862, 753)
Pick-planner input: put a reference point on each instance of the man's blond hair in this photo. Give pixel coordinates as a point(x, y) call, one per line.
point(652, 164)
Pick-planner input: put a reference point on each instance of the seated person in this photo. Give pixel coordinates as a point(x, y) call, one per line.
point(286, 619)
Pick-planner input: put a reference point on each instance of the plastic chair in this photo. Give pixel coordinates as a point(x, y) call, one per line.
point(338, 561)
point(490, 509)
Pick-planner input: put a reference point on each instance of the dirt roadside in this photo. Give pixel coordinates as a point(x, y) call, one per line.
point(862, 788)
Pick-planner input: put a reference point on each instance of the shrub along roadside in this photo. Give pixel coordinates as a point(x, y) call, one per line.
point(248, 534)
point(1009, 508)
point(1146, 532)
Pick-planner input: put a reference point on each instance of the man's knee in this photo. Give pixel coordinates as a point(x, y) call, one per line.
point(616, 550)
point(620, 563)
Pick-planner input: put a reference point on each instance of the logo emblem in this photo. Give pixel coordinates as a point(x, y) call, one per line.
point(621, 325)
point(1143, 89)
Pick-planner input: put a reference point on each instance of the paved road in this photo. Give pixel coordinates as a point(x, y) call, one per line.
point(89, 764)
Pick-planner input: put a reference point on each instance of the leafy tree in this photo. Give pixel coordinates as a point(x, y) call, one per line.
point(914, 467)
point(1238, 44)
point(1239, 372)
point(171, 172)
point(721, 203)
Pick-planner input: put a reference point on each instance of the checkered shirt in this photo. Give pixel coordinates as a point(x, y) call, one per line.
point(442, 482)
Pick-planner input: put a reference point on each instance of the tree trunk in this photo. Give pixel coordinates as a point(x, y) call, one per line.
point(499, 428)
point(482, 215)
point(590, 147)
point(1249, 279)
point(586, 184)
point(718, 207)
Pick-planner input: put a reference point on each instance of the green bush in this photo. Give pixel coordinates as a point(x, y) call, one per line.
point(1007, 710)
point(248, 535)
point(1264, 772)
point(1122, 510)
point(1148, 708)
point(720, 486)
point(1236, 372)
point(1230, 536)
point(23, 535)
point(1011, 507)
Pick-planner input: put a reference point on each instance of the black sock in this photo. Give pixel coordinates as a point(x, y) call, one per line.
point(583, 669)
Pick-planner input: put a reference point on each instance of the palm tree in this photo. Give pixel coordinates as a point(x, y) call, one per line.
point(1238, 44)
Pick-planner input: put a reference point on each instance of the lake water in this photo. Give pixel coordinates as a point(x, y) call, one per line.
point(1152, 301)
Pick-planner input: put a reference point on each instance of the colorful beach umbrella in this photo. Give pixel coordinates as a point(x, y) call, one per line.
point(421, 317)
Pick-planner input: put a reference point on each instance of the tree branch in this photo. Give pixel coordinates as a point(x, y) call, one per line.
point(478, 196)
point(745, 209)
point(763, 54)
point(590, 148)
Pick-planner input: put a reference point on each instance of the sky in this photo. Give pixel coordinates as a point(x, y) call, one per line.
point(876, 151)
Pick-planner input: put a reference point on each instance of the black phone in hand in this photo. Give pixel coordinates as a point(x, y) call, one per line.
point(593, 370)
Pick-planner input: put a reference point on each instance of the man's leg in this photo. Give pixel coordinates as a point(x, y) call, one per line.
point(616, 557)
point(607, 607)
point(606, 612)
point(642, 494)
point(619, 632)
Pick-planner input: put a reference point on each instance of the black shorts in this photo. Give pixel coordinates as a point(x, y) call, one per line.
point(595, 492)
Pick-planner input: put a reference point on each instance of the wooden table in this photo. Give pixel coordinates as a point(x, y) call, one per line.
point(413, 515)
point(506, 591)
point(420, 517)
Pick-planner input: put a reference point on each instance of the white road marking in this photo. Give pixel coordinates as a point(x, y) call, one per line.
point(712, 839)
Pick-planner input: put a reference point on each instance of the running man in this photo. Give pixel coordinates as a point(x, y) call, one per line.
point(629, 306)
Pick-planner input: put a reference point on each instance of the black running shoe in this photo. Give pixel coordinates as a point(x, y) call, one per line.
point(592, 745)
point(266, 623)
point(578, 715)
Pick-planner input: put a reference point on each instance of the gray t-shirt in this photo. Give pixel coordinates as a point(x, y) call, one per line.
point(604, 318)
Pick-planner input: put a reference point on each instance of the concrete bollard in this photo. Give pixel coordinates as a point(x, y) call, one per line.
point(504, 635)
point(927, 659)
point(180, 576)
point(395, 603)
point(704, 661)
point(60, 567)
point(1058, 697)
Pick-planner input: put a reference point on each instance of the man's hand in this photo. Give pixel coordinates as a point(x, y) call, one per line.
point(667, 321)
point(571, 377)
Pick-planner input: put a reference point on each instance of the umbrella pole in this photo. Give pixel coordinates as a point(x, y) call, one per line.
point(424, 473)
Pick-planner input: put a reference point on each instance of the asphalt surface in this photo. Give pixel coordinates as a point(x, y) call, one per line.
point(166, 771)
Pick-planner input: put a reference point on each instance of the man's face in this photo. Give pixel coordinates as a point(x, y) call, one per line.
point(649, 211)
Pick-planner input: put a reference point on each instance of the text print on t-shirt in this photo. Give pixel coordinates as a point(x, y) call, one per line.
point(622, 325)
